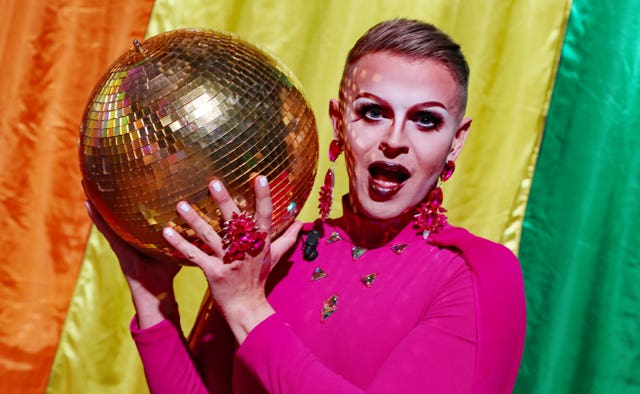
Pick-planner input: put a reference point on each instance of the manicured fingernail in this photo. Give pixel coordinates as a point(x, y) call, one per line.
point(263, 181)
point(183, 206)
point(217, 186)
point(169, 232)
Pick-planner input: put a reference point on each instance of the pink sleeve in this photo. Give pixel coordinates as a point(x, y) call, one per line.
point(422, 361)
point(283, 364)
point(167, 363)
point(500, 308)
point(437, 356)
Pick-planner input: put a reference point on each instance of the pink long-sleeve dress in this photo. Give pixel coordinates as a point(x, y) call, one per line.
point(442, 315)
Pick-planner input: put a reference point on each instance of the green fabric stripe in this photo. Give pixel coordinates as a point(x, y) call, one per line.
point(579, 247)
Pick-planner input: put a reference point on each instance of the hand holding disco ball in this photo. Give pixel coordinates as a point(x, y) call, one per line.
point(180, 109)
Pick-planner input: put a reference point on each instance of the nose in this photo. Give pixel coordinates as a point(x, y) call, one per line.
point(393, 144)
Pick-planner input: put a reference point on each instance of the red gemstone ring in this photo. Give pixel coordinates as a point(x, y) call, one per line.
point(241, 236)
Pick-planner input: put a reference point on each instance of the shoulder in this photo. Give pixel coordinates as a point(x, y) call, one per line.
point(496, 271)
point(480, 253)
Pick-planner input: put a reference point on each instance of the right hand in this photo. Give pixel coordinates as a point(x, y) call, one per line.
point(150, 281)
point(237, 286)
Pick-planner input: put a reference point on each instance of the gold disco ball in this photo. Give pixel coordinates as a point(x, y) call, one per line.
point(180, 109)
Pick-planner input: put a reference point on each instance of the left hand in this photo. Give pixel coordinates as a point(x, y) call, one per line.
point(237, 288)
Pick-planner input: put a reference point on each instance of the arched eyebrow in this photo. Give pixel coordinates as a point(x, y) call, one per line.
point(371, 96)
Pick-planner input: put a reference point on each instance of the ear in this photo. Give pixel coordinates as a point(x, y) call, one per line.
point(335, 113)
point(459, 139)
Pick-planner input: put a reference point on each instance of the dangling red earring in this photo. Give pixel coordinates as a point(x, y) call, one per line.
point(430, 216)
point(326, 190)
point(447, 170)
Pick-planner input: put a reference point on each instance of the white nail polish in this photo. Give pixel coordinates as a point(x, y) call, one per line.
point(168, 232)
point(217, 186)
point(184, 207)
point(263, 181)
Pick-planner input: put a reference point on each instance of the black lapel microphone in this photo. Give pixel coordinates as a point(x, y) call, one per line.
point(310, 247)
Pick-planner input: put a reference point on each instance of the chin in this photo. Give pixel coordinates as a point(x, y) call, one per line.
point(381, 210)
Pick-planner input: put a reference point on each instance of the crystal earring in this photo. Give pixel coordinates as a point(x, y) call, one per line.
point(447, 170)
point(430, 216)
point(326, 190)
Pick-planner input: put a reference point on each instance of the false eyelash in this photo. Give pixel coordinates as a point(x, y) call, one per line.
point(362, 109)
point(435, 119)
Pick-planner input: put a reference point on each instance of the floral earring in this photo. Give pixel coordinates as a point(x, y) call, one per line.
point(430, 216)
point(326, 190)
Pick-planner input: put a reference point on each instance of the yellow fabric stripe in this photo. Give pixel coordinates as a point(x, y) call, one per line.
point(512, 48)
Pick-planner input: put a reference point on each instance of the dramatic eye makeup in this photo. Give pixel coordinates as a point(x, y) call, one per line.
point(369, 111)
point(426, 116)
point(426, 119)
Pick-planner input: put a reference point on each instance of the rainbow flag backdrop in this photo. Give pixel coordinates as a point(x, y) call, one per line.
point(550, 169)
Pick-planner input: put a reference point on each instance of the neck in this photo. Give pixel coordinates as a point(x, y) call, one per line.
point(371, 233)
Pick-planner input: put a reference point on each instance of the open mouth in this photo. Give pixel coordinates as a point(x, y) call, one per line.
point(386, 179)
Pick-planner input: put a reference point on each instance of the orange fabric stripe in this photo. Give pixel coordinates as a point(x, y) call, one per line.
point(52, 54)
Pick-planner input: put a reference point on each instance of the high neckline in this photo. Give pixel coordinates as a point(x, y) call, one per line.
point(370, 233)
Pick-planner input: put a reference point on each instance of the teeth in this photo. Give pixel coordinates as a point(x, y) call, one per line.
point(384, 187)
point(385, 182)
